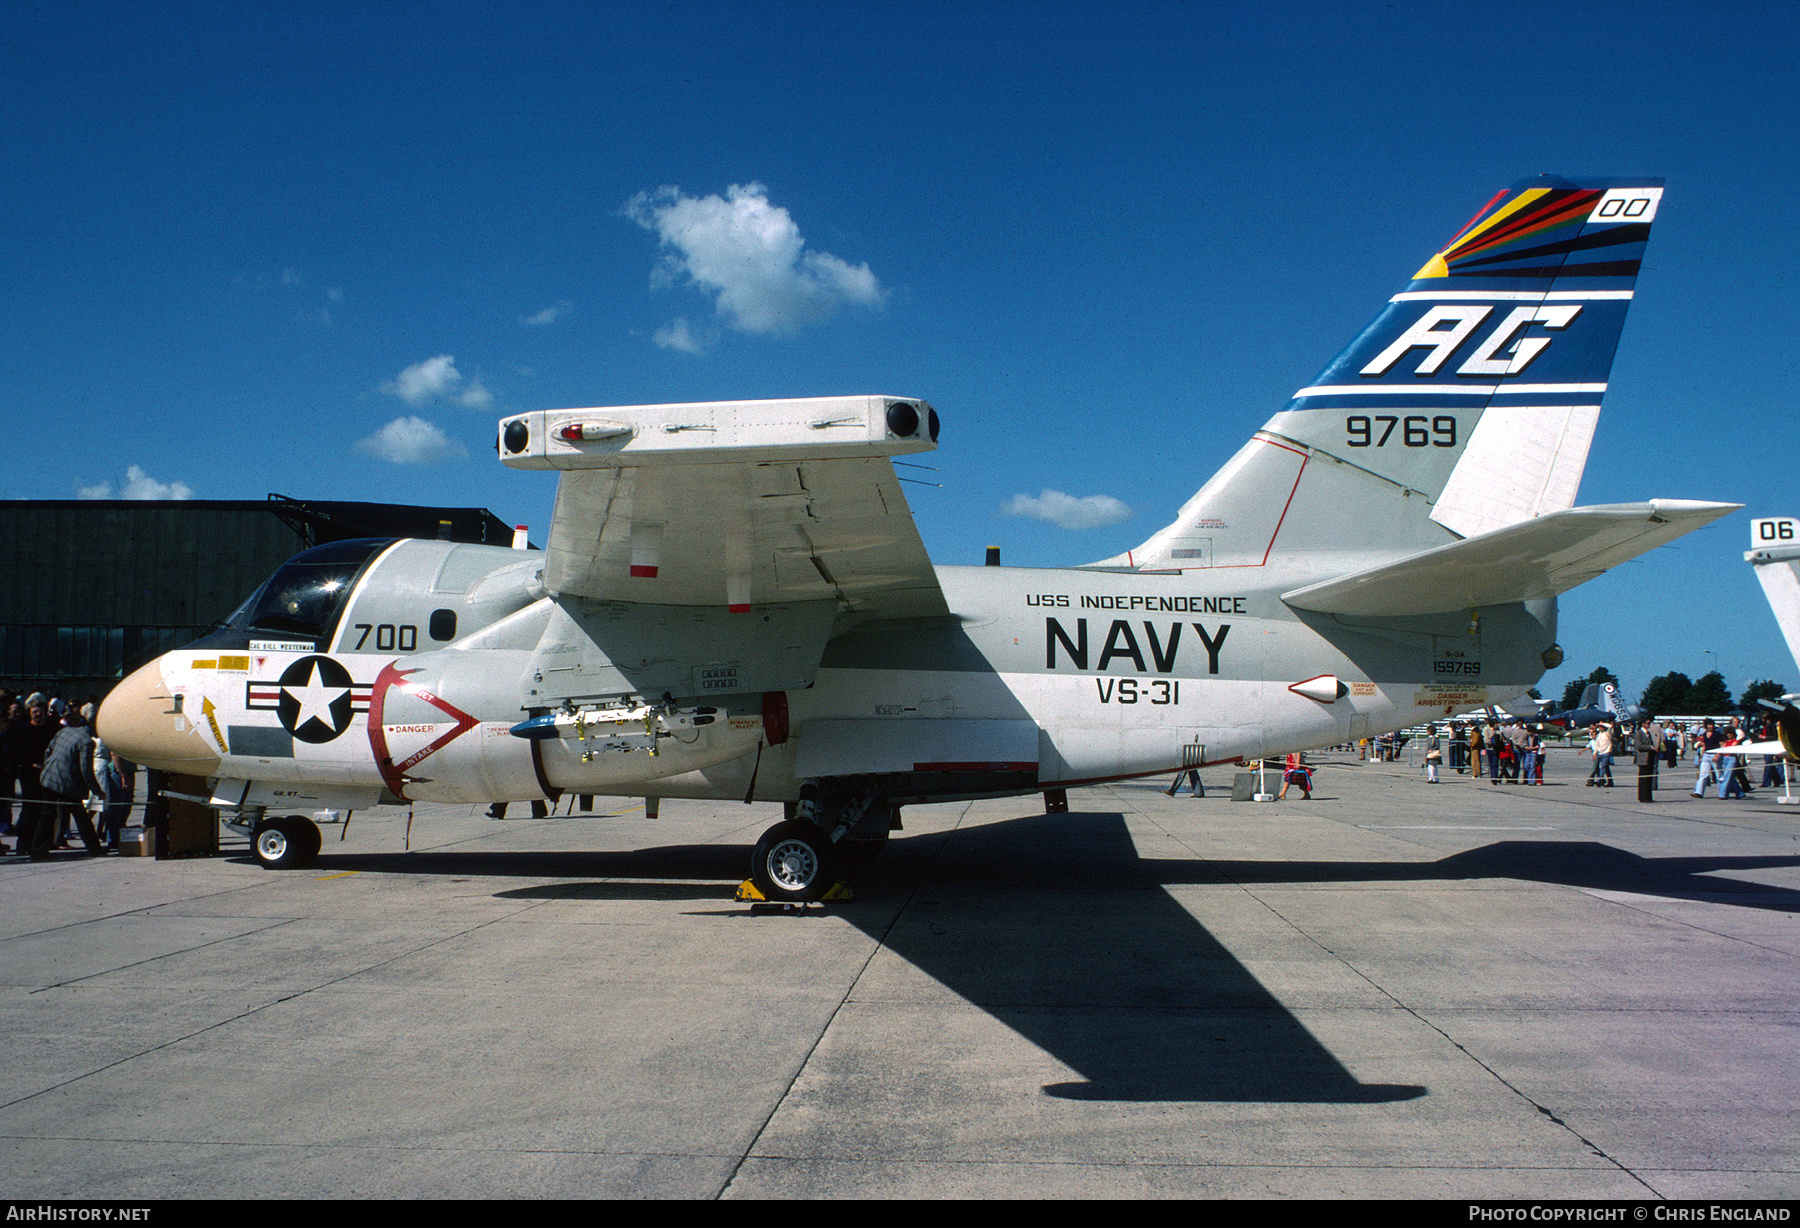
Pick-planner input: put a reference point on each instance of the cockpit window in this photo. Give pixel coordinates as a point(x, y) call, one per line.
point(305, 596)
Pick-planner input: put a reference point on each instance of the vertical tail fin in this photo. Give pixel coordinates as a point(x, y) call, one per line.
point(1467, 405)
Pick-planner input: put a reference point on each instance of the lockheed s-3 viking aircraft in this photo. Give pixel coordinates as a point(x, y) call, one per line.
point(735, 603)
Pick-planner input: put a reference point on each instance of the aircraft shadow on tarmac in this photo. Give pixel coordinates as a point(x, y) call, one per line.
point(1056, 927)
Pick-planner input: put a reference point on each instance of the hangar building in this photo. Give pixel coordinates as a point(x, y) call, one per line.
point(92, 588)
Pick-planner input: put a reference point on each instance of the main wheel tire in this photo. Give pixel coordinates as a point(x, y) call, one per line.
point(311, 841)
point(286, 843)
point(794, 863)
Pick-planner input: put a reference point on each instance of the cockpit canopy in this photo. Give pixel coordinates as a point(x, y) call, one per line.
point(306, 594)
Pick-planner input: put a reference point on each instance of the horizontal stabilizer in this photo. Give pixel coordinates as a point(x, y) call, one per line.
point(1522, 562)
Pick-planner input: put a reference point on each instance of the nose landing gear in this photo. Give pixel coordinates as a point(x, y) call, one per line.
point(288, 843)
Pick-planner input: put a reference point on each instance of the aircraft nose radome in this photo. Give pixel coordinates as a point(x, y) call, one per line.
point(138, 719)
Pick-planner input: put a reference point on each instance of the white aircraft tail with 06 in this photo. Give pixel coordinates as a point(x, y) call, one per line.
point(1775, 554)
point(734, 601)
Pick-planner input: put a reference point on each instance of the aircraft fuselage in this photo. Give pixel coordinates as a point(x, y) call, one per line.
point(1040, 678)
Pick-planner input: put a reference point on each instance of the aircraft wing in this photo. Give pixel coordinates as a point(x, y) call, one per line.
point(734, 504)
point(1526, 561)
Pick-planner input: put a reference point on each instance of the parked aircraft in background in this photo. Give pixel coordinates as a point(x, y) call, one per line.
point(734, 602)
point(1599, 702)
point(1775, 553)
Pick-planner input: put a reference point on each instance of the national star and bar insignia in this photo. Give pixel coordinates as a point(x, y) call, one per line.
point(315, 698)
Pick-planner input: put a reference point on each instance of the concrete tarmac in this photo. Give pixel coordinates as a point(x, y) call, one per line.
point(1391, 990)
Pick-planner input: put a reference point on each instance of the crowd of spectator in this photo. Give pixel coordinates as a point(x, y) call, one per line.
point(55, 774)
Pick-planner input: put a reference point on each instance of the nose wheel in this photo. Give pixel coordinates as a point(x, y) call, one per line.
point(795, 862)
point(286, 843)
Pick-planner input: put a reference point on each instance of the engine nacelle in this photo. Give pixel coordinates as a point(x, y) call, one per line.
point(602, 747)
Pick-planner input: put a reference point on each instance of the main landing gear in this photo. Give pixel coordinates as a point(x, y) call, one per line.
point(807, 855)
point(288, 843)
point(795, 863)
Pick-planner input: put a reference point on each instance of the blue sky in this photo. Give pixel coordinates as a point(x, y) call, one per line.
point(318, 249)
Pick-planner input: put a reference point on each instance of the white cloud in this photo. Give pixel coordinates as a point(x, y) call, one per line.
point(749, 256)
point(138, 485)
point(438, 379)
point(423, 380)
point(675, 335)
point(1068, 512)
point(548, 316)
point(411, 441)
